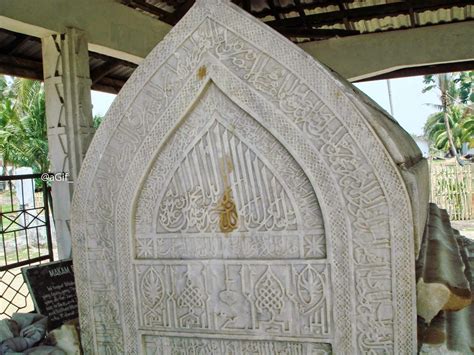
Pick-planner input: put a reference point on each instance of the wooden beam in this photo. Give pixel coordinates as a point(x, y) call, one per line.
point(370, 12)
point(26, 73)
point(106, 88)
point(343, 9)
point(274, 12)
point(163, 15)
point(21, 62)
point(32, 68)
point(13, 45)
point(301, 12)
point(315, 33)
point(246, 5)
point(305, 6)
point(108, 85)
point(423, 70)
point(103, 70)
point(181, 11)
point(23, 67)
point(106, 58)
point(112, 83)
point(121, 32)
point(96, 55)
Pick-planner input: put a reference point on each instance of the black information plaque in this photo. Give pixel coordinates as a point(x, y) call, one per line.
point(53, 290)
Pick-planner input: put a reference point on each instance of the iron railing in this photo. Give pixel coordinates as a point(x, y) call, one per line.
point(25, 236)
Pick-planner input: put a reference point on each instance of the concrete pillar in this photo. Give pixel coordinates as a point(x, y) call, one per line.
point(69, 116)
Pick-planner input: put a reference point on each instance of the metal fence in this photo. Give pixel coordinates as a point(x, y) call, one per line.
point(25, 236)
point(452, 189)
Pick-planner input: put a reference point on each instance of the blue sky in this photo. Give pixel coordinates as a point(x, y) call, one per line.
point(410, 107)
point(409, 103)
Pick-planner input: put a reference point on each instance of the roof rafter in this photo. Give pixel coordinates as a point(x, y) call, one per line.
point(315, 33)
point(23, 67)
point(301, 12)
point(12, 62)
point(305, 6)
point(423, 70)
point(343, 9)
point(15, 44)
point(181, 11)
point(103, 70)
point(371, 12)
point(163, 15)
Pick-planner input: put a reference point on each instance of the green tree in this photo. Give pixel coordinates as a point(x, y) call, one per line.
point(461, 122)
point(455, 93)
point(23, 130)
point(468, 123)
point(34, 127)
point(10, 131)
point(465, 80)
point(97, 120)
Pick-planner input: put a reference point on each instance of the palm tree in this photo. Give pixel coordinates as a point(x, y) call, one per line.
point(468, 123)
point(451, 93)
point(23, 130)
point(461, 123)
point(4, 89)
point(31, 107)
point(10, 147)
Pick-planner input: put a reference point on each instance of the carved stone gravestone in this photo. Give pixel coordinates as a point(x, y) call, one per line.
point(239, 198)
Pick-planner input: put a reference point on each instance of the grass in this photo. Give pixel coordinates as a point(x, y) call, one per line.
point(6, 221)
point(22, 255)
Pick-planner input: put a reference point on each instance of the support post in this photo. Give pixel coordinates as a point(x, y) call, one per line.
point(69, 116)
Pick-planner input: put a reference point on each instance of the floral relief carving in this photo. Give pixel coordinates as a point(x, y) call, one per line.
point(286, 299)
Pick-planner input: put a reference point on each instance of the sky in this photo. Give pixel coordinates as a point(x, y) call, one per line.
point(410, 107)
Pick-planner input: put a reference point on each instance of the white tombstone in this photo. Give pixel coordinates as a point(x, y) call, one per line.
point(25, 188)
point(239, 198)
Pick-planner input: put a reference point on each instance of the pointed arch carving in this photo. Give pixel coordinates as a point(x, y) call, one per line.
point(276, 208)
point(365, 301)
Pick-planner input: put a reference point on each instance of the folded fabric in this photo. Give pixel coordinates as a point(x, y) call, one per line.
point(44, 350)
point(32, 329)
point(7, 329)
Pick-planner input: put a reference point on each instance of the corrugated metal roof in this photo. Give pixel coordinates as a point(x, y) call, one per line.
point(387, 23)
point(272, 11)
point(21, 55)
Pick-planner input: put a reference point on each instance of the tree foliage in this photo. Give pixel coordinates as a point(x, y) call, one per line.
point(97, 120)
point(461, 122)
point(23, 128)
point(453, 125)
